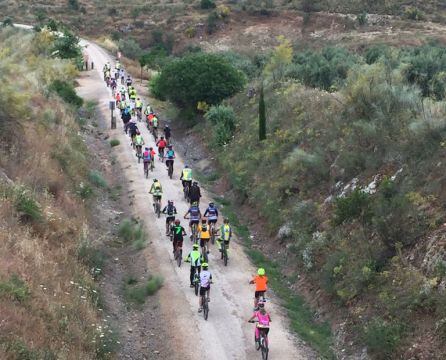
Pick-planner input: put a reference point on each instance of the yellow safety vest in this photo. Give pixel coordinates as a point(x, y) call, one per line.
point(187, 174)
point(225, 232)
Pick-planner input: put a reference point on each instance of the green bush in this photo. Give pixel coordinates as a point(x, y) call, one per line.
point(114, 142)
point(137, 294)
point(92, 258)
point(375, 53)
point(66, 91)
point(97, 179)
point(130, 48)
point(14, 288)
point(67, 47)
point(155, 58)
point(198, 77)
point(212, 22)
point(207, 4)
point(84, 191)
point(413, 13)
point(362, 19)
point(132, 232)
point(223, 119)
point(28, 208)
point(382, 337)
point(326, 70)
point(241, 62)
point(353, 206)
point(7, 21)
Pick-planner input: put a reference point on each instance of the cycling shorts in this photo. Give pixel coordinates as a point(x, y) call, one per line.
point(170, 218)
point(203, 290)
point(204, 242)
point(178, 243)
point(212, 221)
point(193, 221)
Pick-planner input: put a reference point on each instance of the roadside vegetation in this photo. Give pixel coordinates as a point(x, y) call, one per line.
point(48, 299)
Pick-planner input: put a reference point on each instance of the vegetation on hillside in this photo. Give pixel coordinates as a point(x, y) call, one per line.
point(48, 300)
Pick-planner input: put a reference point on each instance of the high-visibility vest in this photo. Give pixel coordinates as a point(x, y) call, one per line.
point(225, 231)
point(187, 174)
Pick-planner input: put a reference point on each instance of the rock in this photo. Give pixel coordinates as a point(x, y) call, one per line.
point(130, 330)
point(284, 231)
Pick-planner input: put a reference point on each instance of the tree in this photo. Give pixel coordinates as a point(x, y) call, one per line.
point(198, 77)
point(67, 47)
point(280, 58)
point(262, 116)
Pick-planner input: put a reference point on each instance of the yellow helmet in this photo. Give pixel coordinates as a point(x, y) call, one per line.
point(261, 271)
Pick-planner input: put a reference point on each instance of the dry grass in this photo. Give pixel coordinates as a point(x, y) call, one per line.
point(56, 318)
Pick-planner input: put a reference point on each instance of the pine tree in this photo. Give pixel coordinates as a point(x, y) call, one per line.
point(262, 116)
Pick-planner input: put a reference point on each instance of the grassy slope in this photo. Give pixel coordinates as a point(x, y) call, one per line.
point(48, 299)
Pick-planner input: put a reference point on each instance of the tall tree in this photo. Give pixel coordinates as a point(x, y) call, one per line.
point(262, 116)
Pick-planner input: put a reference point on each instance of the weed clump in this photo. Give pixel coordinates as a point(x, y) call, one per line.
point(66, 91)
point(15, 289)
point(114, 142)
point(137, 293)
point(132, 232)
point(97, 179)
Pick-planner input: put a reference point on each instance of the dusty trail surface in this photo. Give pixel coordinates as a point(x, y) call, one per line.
point(226, 334)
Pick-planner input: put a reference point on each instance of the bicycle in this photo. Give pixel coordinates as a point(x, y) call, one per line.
point(224, 252)
point(212, 231)
point(205, 305)
point(196, 281)
point(157, 205)
point(194, 234)
point(170, 169)
point(204, 251)
point(139, 152)
point(161, 154)
point(155, 133)
point(186, 188)
point(178, 255)
point(263, 340)
point(146, 169)
point(139, 114)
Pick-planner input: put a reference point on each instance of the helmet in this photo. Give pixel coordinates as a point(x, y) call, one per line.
point(226, 220)
point(205, 265)
point(170, 146)
point(146, 148)
point(151, 148)
point(186, 166)
point(195, 246)
point(162, 137)
point(261, 304)
point(177, 221)
point(170, 202)
point(195, 203)
point(167, 126)
point(261, 271)
point(211, 204)
point(155, 180)
point(195, 183)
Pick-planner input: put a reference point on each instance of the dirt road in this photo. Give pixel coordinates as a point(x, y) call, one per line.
point(226, 334)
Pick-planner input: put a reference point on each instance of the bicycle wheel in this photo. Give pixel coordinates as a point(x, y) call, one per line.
point(157, 209)
point(225, 256)
point(179, 258)
point(264, 350)
point(196, 284)
point(205, 254)
point(146, 170)
point(205, 308)
point(170, 171)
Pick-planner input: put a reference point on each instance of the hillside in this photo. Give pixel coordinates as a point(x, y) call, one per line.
point(48, 299)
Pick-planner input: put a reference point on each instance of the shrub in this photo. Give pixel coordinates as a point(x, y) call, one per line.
point(130, 48)
point(212, 22)
point(67, 47)
point(73, 4)
point(14, 288)
point(132, 232)
point(84, 191)
point(114, 142)
point(362, 19)
point(413, 13)
point(382, 337)
point(155, 58)
point(66, 91)
point(353, 206)
point(92, 258)
point(190, 32)
point(223, 119)
point(223, 11)
point(97, 179)
point(376, 52)
point(198, 77)
point(241, 62)
point(28, 208)
point(7, 21)
point(207, 4)
point(137, 294)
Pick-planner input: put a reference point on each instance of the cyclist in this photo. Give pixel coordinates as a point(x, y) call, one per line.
point(186, 176)
point(161, 143)
point(167, 133)
point(113, 85)
point(195, 259)
point(122, 75)
point(148, 110)
point(169, 156)
point(211, 213)
point(171, 211)
point(139, 142)
point(194, 216)
point(117, 65)
point(133, 131)
point(132, 93)
point(194, 193)
point(138, 106)
point(108, 66)
point(126, 117)
point(225, 234)
point(146, 157)
point(205, 284)
point(178, 234)
point(204, 234)
point(129, 81)
point(263, 319)
point(155, 123)
point(157, 191)
point(261, 281)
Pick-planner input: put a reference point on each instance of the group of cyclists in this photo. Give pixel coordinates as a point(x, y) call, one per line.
point(202, 226)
